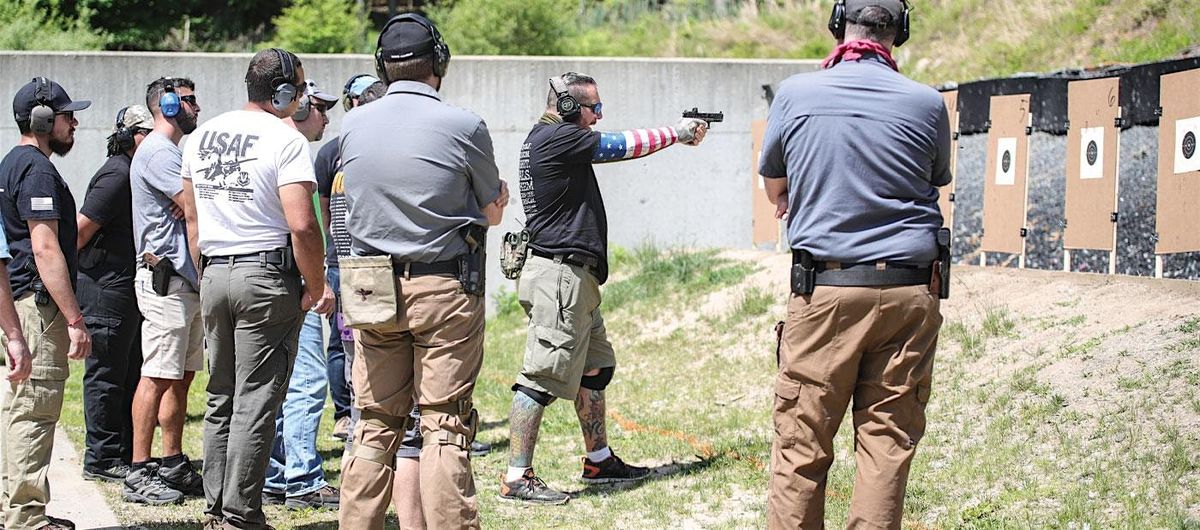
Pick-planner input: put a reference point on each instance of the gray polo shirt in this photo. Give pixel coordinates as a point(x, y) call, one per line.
point(864, 149)
point(416, 171)
point(153, 180)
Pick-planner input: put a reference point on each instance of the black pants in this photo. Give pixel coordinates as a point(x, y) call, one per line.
point(113, 369)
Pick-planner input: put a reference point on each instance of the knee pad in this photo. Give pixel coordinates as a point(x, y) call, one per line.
point(465, 411)
point(599, 381)
point(541, 398)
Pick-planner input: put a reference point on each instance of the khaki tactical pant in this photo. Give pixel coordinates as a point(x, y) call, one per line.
point(872, 344)
point(30, 414)
point(434, 349)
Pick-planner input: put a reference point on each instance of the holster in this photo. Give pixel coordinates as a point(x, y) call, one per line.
point(514, 249)
point(472, 265)
point(804, 273)
point(940, 279)
point(40, 295)
point(160, 276)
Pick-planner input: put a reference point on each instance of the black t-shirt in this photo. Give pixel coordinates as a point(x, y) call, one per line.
point(32, 190)
point(109, 203)
point(326, 168)
point(563, 207)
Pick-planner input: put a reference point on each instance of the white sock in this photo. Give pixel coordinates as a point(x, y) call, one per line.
point(600, 455)
point(514, 473)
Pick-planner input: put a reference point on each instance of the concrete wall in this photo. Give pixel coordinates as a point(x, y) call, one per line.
point(682, 196)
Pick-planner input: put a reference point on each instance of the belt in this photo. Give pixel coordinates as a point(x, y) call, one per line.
point(578, 260)
point(270, 257)
point(411, 268)
point(868, 274)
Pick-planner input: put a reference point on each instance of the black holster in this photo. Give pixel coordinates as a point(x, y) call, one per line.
point(804, 273)
point(160, 276)
point(472, 265)
point(941, 268)
point(40, 295)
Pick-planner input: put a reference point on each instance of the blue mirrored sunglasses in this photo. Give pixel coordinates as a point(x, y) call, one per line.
point(596, 108)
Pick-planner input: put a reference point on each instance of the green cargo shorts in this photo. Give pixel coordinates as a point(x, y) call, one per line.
point(566, 330)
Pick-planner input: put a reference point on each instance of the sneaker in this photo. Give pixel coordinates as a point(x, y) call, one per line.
point(326, 497)
point(183, 478)
point(531, 490)
point(115, 473)
point(57, 524)
point(212, 522)
point(275, 498)
point(144, 486)
point(480, 448)
point(341, 429)
point(612, 469)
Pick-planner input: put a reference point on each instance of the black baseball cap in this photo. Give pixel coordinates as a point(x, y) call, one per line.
point(56, 98)
point(855, 7)
point(405, 39)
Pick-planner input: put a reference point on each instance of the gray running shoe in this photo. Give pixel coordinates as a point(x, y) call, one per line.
point(145, 487)
point(183, 478)
point(531, 490)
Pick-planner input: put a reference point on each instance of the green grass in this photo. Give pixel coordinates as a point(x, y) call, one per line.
point(692, 397)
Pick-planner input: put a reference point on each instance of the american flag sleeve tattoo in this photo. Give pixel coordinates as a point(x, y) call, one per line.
point(633, 143)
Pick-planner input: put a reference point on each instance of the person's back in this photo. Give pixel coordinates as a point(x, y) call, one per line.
point(862, 142)
point(413, 210)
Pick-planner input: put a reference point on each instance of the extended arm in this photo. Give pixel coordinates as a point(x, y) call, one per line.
point(636, 143)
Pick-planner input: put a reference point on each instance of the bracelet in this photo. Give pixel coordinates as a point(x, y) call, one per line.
point(77, 320)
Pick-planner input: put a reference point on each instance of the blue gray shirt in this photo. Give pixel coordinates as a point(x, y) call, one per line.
point(416, 171)
point(154, 179)
point(864, 150)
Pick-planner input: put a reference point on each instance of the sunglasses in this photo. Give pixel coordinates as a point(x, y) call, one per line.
point(190, 99)
point(596, 108)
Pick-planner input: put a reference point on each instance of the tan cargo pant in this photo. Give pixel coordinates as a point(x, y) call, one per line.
point(872, 344)
point(29, 415)
point(434, 346)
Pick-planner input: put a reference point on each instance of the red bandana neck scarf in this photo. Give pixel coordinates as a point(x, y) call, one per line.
point(857, 49)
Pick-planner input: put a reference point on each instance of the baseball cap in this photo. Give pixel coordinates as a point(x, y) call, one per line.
point(854, 7)
point(56, 98)
point(405, 39)
point(313, 91)
point(136, 116)
point(358, 84)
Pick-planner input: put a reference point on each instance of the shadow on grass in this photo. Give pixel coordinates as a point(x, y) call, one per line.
point(389, 522)
point(662, 472)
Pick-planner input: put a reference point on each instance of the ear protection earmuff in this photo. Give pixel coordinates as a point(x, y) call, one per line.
point(303, 110)
point(441, 52)
point(837, 23)
point(567, 106)
point(168, 103)
point(41, 117)
point(346, 97)
point(285, 85)
point(123, 134)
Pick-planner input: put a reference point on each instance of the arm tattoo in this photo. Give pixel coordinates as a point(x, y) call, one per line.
point(633, 143)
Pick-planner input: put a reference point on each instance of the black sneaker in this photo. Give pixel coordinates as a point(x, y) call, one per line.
point(144, 486)
point(480, 448)
point(183, 478)
point(531, 490)
point(612, 469)
point(57, 523)
point(274, 498)
point(115, 473)
point(327, 497)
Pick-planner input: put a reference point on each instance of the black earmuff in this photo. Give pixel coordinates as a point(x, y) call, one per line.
point(567, 106)
point(440, 51)
point(285, 85)
point(123, 134)
point(838, 19)
point(41, 117)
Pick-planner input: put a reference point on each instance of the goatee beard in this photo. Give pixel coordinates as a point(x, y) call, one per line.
point(61, 147)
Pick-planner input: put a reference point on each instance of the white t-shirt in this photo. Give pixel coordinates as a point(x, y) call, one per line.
point(237, 162)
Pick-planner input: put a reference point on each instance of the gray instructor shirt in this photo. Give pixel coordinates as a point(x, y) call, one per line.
point(416, 171)
point(864, 149)
point(153, 180)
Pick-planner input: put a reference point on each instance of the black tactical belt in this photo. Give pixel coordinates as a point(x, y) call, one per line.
point(870, 275)
point(270, 257)
point(412, 268)
point(570, 259)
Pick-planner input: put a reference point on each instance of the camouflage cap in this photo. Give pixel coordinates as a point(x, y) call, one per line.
point(135, 116)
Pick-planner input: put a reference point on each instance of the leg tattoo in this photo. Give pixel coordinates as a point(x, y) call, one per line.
point(524, 421)
point(589, 406)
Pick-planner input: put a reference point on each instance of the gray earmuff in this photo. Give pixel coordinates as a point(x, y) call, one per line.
point(285, 86)
point(41, 117)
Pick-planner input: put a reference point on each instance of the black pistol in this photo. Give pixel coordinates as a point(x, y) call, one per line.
point(708, 117)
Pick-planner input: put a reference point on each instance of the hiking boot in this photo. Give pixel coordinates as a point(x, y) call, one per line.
point(144, 486)
point(57, 524)
point(531, 490)
point(275, 498)
point(183, 478)
point(326, 497)
point(480, 448)
point(341, 429)
point(612, 469)
point(115, 473)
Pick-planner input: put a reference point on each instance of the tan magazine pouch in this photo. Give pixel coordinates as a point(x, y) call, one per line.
point(368, 291)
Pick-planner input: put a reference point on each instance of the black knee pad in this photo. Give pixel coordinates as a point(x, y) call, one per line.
point(599, 381)
point(541, 398)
